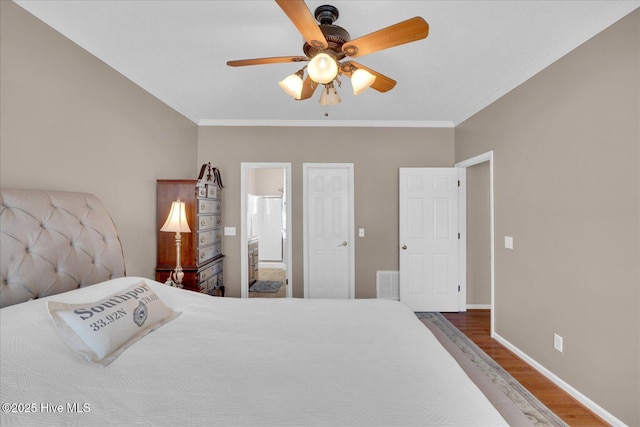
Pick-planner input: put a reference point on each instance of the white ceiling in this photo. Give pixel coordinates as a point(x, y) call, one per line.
point(476, 52)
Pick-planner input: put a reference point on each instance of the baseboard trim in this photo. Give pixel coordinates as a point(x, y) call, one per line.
point(272, 264)
point(478, 306)
point(590, 404)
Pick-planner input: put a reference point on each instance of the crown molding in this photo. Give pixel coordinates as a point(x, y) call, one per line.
point(329, 123)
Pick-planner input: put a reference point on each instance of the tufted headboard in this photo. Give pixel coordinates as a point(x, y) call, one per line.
point(53, 242)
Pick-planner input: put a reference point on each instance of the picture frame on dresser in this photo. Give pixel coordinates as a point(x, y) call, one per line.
point(201, 253)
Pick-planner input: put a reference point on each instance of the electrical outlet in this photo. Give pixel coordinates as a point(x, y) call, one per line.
point(557, 342)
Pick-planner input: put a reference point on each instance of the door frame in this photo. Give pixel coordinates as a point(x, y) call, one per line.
point(351, 222)
point(481, 158)
point(462, 239)
point(244, 250)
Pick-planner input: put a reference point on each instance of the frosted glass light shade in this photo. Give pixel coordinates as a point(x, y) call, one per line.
point(361, 80)
point(292, 85)
point(330, 96)
point(322, 68)
point(177, 219)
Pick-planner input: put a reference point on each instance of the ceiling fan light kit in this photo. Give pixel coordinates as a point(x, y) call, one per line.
point(292, 84)
point(322, 68)
point(361, 79)
point(326, 47)
point(330, 95)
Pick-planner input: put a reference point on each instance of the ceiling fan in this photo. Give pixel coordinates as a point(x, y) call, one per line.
point(326, 47)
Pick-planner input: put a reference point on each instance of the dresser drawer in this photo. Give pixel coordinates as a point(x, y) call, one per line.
point(204, 287)
point(215, 283)
point(209, 252)
point(213, 191)
point(217, 266)
point(220, 279)
point(217, 249)
point(205, 254)
point(206, 274)
point(209, 206)
point(206, 237)
point(206, 222)
point(217, 236)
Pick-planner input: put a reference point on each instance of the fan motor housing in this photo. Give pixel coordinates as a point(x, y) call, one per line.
point(336, 36)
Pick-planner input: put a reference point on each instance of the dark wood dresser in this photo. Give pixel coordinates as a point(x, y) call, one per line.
point(201, 252)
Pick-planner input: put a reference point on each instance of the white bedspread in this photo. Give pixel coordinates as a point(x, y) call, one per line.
point(226, 361)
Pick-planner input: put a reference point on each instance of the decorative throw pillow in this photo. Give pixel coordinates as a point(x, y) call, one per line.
point(101, 330)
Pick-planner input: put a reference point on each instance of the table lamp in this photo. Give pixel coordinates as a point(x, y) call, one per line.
point(177, 223)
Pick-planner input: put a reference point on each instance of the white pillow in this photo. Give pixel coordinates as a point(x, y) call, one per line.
point(101, 330)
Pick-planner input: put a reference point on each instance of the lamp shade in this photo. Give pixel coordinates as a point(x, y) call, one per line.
point(177, 220)
point(361, 80)
point(330, 96)
point(322, 68)
point(292, 85)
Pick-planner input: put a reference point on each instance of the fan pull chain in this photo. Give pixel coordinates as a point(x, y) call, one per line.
point(326, 106)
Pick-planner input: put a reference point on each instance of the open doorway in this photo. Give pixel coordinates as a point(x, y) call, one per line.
point(266, 230)
point(481, 242)
point(478, 238)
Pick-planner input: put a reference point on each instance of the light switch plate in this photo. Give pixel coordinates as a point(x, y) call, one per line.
point(557, 342)
point(508, 242)
point(229, 231)
point(361, 232)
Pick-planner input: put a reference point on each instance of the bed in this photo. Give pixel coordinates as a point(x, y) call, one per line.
point(216, 361)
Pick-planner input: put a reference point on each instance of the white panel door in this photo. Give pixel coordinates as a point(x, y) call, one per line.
point(429, 238)
point(328, 222)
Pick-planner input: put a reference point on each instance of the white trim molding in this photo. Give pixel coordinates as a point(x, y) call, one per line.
point(330, 123)
point(590, 404)
point(478, 306)
point(481, 158)
point(462, 239)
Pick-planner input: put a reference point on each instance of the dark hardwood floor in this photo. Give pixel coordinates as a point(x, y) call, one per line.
point(475, 324)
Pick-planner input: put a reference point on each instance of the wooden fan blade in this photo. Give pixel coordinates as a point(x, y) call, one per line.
point(403, 32)
point(308, 87)
point(301, 16)
point(382, 83)
point(261, 61)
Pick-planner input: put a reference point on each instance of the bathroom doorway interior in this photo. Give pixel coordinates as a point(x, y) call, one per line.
point(266, 230)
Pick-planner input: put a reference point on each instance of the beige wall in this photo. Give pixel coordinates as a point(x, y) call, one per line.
point(377, 153)
point(265, 182)
point(478, 235)
point(70, 122)
point(566, 148)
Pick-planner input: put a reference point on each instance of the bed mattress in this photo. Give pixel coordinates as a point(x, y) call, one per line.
point(227, 361)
